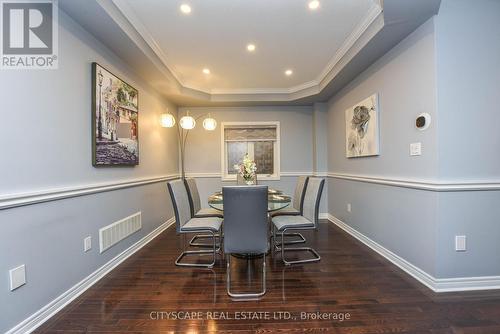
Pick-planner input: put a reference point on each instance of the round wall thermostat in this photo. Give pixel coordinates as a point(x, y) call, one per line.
point(423, 121)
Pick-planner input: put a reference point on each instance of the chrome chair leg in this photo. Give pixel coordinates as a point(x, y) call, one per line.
point(316, 257)
point(193, 242)
point(246, 296)
point(276, 246)
point(199, 253)
point(294, 234)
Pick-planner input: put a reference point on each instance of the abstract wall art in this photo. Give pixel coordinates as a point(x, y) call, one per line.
point(362, 128)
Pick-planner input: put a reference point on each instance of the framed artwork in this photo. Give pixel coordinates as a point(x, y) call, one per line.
point(115, 120)
point(362, 128)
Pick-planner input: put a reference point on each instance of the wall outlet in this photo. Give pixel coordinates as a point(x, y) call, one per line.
point(17, 277)
point(415, 149)
point(349, 208)
point(460, 243)
point(87, 244)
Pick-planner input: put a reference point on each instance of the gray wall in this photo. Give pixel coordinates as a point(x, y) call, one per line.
point(47, 145)
point(203, 153)
point(475, 215)
point(449, 67)
point(320, 137)
point(204, 147)
point(405, 82)
point(401, 220)
point(468, 85)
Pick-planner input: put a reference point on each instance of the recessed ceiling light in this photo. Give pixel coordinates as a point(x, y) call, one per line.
point(251, 47)
point(185, 8)
point(206, 71)
point(313, 5)
point(288, 72)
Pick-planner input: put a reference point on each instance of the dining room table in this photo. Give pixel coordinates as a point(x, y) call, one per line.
point(276, 200)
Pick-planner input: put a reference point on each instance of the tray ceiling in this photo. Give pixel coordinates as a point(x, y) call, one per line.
point(325, 48)
point(287, 36)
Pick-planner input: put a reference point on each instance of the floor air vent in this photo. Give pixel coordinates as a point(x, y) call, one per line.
point(112, 234)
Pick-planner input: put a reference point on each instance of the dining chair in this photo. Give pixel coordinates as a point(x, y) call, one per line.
point(185, 223)
point(245, 228)
point(295, 209)
point(198, 212)
point(307, 221)
point(241, 181)
point(298, 199)
point(195, 203)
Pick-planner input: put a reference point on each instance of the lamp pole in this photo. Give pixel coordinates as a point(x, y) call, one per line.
point(99, 121)
point(182, 145)
point(186, 124)
point(183, 136)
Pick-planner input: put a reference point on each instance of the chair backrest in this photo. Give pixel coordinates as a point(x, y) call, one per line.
point(193, 194)
point(241, 181)
point(312, 197)
point(300, 190)
point(180, 202)
point(245, 219)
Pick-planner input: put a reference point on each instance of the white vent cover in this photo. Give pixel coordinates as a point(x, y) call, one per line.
point(112, 234)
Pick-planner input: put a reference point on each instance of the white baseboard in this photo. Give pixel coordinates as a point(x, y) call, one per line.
point(39, 317)
point(324, 215)
point(435, 284)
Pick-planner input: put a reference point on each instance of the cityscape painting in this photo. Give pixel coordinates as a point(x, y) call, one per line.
point(115, 115)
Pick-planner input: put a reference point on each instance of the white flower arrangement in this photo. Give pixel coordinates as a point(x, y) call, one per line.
point(247, 169)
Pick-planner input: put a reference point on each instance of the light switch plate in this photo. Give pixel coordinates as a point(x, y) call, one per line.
point(415, 149)
point(87, 244)
point(460, 243)
point(17, 277)
point(349, 208)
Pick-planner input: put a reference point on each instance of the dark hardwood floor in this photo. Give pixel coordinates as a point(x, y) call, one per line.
point(350, 281)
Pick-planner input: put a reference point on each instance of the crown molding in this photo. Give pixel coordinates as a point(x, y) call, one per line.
point(111, 9)
point(135, 28)
point(363, 26)
point(114, 24)
point(136, 24)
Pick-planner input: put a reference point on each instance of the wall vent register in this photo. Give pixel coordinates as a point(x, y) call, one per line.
point(112, 234)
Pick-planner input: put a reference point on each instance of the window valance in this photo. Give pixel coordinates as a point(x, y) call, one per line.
point(250, 134)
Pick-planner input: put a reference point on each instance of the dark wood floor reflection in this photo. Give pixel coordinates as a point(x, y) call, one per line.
point(350, 279)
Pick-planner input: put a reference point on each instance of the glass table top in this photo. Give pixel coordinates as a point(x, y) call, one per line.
point(275, 200)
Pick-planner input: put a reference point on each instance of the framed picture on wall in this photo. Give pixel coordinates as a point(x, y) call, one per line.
point(362, 128)
point(115, 120)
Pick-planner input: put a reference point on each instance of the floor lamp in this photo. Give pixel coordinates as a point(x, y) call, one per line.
point(185, 124)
